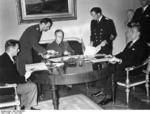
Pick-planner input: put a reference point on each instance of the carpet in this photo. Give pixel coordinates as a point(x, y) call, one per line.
point(73, 102)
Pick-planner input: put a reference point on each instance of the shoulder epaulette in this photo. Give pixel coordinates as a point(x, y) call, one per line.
point(107, 18)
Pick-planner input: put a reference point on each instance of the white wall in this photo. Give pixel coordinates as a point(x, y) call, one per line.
point(115, 9)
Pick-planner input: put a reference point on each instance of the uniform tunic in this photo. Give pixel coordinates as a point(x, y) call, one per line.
point(28, 41)
point(101, 31)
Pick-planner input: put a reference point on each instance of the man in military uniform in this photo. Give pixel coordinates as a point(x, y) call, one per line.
point(103, 32)
point(30, 41)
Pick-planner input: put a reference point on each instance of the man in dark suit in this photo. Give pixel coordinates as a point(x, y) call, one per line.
point(30, 41)
point(134, 54)
point(103, 32)
point(9, 74)
point(142, 16)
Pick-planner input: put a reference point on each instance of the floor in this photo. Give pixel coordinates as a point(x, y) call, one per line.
point(135, 97)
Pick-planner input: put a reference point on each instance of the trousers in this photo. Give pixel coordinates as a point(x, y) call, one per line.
point(28, 94)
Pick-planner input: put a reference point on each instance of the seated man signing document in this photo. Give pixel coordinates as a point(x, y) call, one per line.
point(59, 46)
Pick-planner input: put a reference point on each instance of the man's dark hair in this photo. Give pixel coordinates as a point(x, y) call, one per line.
point(136, 25)
point(96, 10)
point(46, 20)
point(10, 43)
point(59, 30)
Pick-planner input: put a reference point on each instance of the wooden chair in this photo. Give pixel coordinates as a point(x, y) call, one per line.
point(4, 99)
point(138, 79)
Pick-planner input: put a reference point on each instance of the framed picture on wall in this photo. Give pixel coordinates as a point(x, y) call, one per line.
point(35, 10)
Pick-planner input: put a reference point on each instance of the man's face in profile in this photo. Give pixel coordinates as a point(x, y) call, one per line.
point(130, 14)
point(144, 2)
point(134, 33)
point(15, 50)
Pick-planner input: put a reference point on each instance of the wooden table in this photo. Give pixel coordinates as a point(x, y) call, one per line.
point(70, 75)
point(81, 73)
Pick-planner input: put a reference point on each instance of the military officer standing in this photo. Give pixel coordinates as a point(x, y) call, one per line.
point(103, 31)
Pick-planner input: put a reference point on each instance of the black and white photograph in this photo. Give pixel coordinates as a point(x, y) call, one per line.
point(74, 55)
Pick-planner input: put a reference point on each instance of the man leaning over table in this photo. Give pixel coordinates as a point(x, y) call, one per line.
point(30, 41)
point(9, 74)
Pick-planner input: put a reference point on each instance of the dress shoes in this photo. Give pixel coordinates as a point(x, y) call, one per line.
point(32, 108)
point(22, 107)
point(99, 93)
point(105, 101)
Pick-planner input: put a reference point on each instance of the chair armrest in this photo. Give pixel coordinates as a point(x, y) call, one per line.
point(134, 68)
point(146, 72)
point(8, 86)
point(130, 68)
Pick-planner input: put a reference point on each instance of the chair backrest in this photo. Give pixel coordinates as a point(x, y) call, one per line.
point(148, 66)
point(76, 44)
point(79, 40)
point(9, 98)
point(65, 39)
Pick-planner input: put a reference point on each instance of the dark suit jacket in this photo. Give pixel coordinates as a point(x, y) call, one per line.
point(144, 19)
point(134, 55)
point(131, 56)
point(101, 31)
point(8, 71)
point(29, 41)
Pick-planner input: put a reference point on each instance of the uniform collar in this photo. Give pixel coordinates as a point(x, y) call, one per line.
point(100, 18)
point(58, 44)
point(37, 27)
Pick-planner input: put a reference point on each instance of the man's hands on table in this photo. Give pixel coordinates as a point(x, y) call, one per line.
point(114, 60)
point(48, 54)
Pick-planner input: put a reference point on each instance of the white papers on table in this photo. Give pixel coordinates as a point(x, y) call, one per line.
point(90, 51)
point(41, 66)
point(64, 58)
point(36, 67)
point(99, 60)
point(55, 65)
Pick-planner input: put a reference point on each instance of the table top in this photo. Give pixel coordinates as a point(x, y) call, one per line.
point(63, 75)
point(69, 75)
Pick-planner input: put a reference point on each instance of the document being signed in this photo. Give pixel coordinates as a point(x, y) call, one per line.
point(39, 67)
